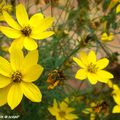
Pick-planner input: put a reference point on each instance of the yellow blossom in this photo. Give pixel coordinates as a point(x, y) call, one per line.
point(118, 8)
point(25, 30)
point(96, 109)
point(107, 37)
point(116, 90)
point(16, 78)
point(116, 108)
point(4, 7)
point(116, 96)
point(62, 111)
point(90, 111)
point(91, 68)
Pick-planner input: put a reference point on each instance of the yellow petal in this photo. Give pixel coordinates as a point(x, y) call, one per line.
point(44, 25)
point(104, 74)
point(116, 109)
point(83, 58)
point(31, 58)
point(11, 22)
point(5, 68)
point(18, 43)
point(69, 110)
point(102, 63)
point(53, 110)
point(110, 84)
point(71, 116)
point(21, 15)
point(91, 57)
point(92, 78)
point(55, 103)
point(31, 91)
point(42, 35)
point(9, 32)
point(58, 117)
point(1, 18)
point(87, 110)
point(33, 73)
point(36, 19)
point(117, 98)
point(2, 3)
point(104, 80)
point(16, 59)
point(81, 74)
point(4, 81)
point(79, 62)
point(115, 87)
point(92, 116)
point(30, 44)
point(118, 8)
point(63, 106)
point(15, 95)
point(3, 95)
point(104, 37)
point(110, 36)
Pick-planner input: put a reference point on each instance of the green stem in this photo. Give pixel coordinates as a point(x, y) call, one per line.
point(72, 53)
point(102, 46)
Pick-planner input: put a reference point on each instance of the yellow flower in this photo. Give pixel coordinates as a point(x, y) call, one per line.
point(116, 96)
point(118, 8)
point(26, 30)
point(62, 111)
point(116, 108)
point(91, 68)
point(90, 111)
point(96, 109)
point(107, 37)
point(16, 78)
point(4, 7)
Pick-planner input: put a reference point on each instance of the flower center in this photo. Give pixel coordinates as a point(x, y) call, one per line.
point(62, 114)
point(26, 31)
point(92, 68)
point(16, 77)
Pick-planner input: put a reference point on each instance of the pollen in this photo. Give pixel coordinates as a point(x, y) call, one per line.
point(92, 68)
point(26, 31)
point(16, 77)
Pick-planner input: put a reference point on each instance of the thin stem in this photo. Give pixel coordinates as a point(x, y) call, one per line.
point(72, 53)
point(101, 45)
point(61, 12)
point(51, 8)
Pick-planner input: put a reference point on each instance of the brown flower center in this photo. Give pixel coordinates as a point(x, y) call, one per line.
point(62, 114)
point(26, 31)
point(92, 68)
point(16, 77)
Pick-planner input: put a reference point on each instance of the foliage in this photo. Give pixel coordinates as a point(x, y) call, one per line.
point(79, 25)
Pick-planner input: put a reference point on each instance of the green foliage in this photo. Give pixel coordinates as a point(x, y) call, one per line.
point(76, 32)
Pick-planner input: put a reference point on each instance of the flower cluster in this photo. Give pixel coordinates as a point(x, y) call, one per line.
point(21, 67)
point(62, 111)
point(16, 76)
